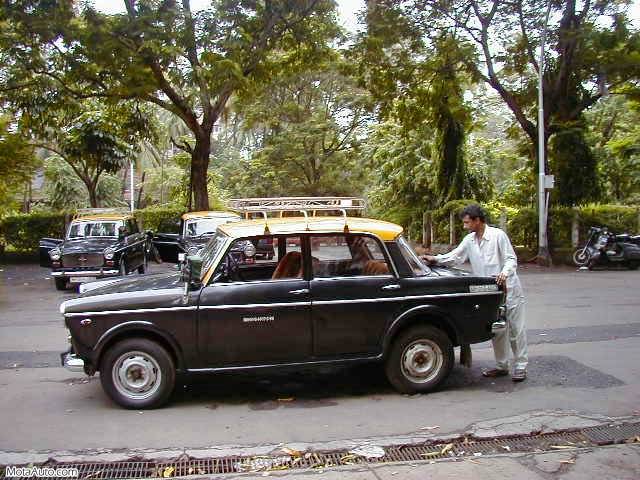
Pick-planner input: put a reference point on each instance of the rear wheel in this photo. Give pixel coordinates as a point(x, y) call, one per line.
point(421, 357)
point(138, 373)
point(61, 283)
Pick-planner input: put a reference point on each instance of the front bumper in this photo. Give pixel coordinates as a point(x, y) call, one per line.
point(86, 273)
point(71, 362)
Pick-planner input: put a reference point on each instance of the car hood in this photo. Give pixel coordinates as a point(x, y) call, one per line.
point(132, 283)
point(196, 241)
point(92, 245)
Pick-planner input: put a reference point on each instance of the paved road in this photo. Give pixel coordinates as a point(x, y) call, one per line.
point(585, 357)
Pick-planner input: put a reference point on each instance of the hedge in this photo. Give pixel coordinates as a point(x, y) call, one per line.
point(160, 219)
point(522, 223)
point(23, 231)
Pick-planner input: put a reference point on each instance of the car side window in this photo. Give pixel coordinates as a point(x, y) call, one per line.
point(285, 250)
point(346, 255)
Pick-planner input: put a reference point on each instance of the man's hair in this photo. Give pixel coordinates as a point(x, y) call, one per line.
point(474, 211)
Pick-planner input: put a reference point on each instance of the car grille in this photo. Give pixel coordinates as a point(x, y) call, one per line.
point(82, 260)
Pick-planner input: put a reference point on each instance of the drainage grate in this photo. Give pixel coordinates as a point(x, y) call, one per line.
point(455, 448)
point(609, 434)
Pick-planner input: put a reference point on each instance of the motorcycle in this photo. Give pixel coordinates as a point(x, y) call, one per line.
point(605, 248)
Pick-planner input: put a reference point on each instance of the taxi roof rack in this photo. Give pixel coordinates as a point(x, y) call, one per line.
point(82, 212)
point(296, 204)
point(304, 205)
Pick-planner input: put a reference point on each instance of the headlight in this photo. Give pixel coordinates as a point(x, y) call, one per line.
point(55, 254)
point(193, 251)
point(108, 253)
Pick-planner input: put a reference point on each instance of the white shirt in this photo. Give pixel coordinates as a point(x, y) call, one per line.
point(492, 256)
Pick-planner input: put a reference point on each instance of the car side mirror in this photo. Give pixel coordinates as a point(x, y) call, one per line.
point(191, 271)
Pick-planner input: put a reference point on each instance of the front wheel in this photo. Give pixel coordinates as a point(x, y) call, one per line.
point(145, 264)
point(420, 359)
point(138, 373)
point(581, 257)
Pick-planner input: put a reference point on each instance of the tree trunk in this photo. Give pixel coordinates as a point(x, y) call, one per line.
point(199, 167)
point(93, 195)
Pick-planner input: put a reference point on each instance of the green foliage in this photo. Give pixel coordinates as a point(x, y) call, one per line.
point(617, 218)
point(402, 174)
point(24, 231)
point(160, 219)
point(17, 163)
point(64, 189)
point(309, 128)
point(575, 166)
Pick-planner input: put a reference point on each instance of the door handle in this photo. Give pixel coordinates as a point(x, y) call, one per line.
point(395, 286)
point(302, 291)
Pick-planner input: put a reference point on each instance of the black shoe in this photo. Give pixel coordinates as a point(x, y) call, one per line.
point(495, 372)
point(519, 374)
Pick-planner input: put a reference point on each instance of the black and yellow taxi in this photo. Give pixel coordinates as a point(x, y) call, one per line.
point(338, 290)
point(98, 243)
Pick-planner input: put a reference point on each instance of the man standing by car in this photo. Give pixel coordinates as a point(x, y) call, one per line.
point(490, 253)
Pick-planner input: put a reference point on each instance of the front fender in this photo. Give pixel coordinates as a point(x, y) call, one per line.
point(435, 315)
point(129, 329)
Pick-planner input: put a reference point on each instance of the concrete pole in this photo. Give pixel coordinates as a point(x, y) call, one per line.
point(131, 187)
point(543, 246)
point(452, 228)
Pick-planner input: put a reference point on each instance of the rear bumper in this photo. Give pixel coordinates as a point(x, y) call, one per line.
point(71, 362)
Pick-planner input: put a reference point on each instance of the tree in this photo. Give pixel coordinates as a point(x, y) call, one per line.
point(308, 127)
point(189, 63)
point(614, 135)
point(593, 51)
point(421, 81)
point(92, 138)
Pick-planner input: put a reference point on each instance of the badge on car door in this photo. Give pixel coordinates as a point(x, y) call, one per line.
point(259, 319)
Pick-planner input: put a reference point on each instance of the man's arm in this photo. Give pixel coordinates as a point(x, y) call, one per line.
point(457, 256)
point(509, 259)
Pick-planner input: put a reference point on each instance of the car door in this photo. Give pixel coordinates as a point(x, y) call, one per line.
point(262, 321)
point(352, 292)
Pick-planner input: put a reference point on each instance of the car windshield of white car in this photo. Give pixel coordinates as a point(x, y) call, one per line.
point(203, 226)
point(93, 229)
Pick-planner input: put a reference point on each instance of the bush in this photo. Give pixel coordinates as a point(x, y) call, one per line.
point(24, 231)
point(617, 218)
point(160, 219)
point(440, 219)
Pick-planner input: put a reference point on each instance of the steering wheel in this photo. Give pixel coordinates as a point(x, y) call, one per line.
point(233, 268)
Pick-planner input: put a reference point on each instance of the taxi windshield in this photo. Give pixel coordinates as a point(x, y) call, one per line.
point(212, 250)
point(419, 269)
point(201, 226)
point(93, 229)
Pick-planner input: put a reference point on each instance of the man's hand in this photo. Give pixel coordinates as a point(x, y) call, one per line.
point(501, 279)
point(430, 259)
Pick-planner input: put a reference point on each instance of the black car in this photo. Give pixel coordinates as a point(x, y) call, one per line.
point(338, 290)
point(193, 232)
point(96, 245)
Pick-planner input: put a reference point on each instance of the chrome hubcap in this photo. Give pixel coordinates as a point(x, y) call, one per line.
point(421, 361)
point(136, 375)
